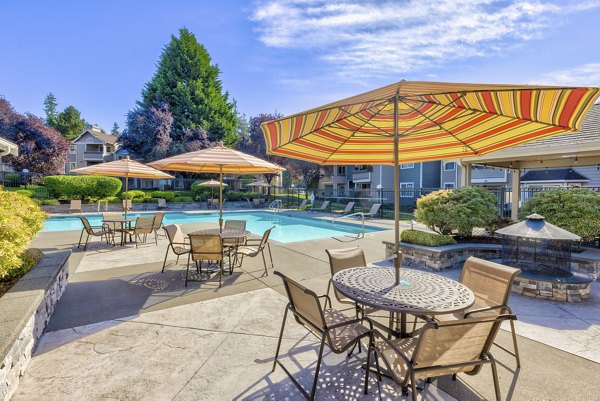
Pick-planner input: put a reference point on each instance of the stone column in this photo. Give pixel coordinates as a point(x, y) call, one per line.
point(465, 174)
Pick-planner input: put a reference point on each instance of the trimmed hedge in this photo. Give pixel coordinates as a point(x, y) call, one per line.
point(166, 195)
point(183, 199)
point(20, 220)
point(132, 194)
point(81, 187)
point(25, 192)
point(424, 238)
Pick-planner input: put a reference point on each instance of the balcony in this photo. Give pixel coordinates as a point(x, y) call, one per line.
point(99, 156)
point(361, 176)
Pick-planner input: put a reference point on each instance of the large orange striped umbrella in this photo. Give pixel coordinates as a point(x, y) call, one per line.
point(424, 121)
point(123, 168)
point(218, 159)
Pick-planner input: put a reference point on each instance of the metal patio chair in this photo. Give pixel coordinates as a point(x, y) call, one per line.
point(374, 211)
point(332, 327)
point(75, 205)
point(205, 248)
point(178, 242)
point(255, 247)
point(341, 259)
point(348, 209)
point(158, 224)
point(94, 231)
point(323, 208)
point(144, 225)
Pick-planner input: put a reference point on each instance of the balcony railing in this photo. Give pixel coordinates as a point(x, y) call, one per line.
point(363, 176)
point(93, 155)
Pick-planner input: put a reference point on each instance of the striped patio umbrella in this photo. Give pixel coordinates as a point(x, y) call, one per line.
point(410, 122)
point(212, 184)
point(218, 159)
point(126, 168)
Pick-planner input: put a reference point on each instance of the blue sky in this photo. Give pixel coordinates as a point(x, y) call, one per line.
point(289, 55)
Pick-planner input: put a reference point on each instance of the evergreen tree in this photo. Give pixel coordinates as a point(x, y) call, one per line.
point(189, 84)
point(50, 105)
point(115, 130)
point(69, 123)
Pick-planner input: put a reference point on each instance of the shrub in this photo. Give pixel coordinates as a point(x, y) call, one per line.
point(20, 220)
point(182, 199)
point(575, 210)
point(50, 202)
point(166, 195)
point(458, 211)
point(25, 192)
point(424, 238)
point(12, 178)
point(133, 194)
point(81, 187)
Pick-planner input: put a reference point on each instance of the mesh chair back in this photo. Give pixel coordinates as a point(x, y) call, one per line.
point(304, 202)
point(489, 281)
point(235, 225)
point(340, 259)
point(112, 216)
point(349, 207)
point(304, 303)
point(144, 225)
point(325, 205)
point(162, 202)
point(375, 208)
point(75, 204)
point(174, 234)
point(206, 247)
point(86, 225)
point(264, 239)
point(158, 219)
point(455, 342)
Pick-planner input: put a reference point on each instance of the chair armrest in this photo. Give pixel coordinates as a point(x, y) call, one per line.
point(489, 308)
point(327, 299)
point(392, 346)
point(254, 240)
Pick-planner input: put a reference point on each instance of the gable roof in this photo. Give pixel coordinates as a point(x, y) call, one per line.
point(107, 138)
point(558, 174)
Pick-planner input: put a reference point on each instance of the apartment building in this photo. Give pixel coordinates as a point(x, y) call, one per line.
point(91, 147)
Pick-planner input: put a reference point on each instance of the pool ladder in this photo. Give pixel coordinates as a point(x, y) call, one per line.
point(276, 205)
point(361, 234)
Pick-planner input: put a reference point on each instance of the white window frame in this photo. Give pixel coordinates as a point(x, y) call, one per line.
point(338, 170)
point(449, 169)
point(406, 166)
point(446, 185)
point(72, 149)
point(407, 185)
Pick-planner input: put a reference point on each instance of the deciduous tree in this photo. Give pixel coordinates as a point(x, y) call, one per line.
point(69, 123)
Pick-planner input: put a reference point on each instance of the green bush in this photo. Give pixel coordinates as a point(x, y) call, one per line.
point(81, 187)
point(133, 194)
point(458, 211)
point(182, 199)
point(25, 192)
point(12, 178)
point(20, 220)
point(166, 195)
point(50, 202)
point(575, 210)
point(425, 238)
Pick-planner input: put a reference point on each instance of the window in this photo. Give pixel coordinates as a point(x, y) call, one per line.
point(407, 166)
point(450, 166)
point(341, 170)
point(407, 189)
point(449, 185)
point(72, 166)
point(72, 149)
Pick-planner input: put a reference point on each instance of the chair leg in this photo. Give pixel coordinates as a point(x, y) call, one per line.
point(262, 252)
point(165, 262)
point(516, 347)
point(280, 338)
point(220, 272)
point(495, 375)
point(187, 271)
point(87, 238)
point(413, 386)
point(270, 255)
point(316, 379)
point(368, 365)
point(80, 238)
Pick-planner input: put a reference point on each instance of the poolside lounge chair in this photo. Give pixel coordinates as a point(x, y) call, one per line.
point(75, 205)
point(205, 247)
point(162, 204)
point(374, 212)
point(178, 242)
point(441, 349)
point(255, 247)
point(491, 283)
point(303, 204)
point(144, 225)
point(323, 208)
point(94, 231)
point(347, 209)
point(332, 327)
point(256, 202)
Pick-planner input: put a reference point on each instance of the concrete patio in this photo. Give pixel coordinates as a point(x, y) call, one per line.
point(124, 330)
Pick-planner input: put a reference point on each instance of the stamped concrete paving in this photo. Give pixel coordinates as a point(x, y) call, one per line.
point(123, 330)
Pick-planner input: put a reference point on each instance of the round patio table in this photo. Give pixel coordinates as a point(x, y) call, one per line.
point(419, 293)
point(122, 222)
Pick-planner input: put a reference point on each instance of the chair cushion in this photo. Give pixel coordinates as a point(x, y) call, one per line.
point(342, 337)
point(247, 250)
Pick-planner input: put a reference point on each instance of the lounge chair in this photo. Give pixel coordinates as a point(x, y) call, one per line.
point(205, 247)
point(348, 209)
point(491, 283)
point(144, 225)
point(162, 204)
point(94, 231)
point(75, 205)
point(303, 204)
point(255, 247)
point(178, 242)
point(374, 212)
point(323, 208)
point(331, 326)
point(441, 349)
point(158, 222)
point(256, 202)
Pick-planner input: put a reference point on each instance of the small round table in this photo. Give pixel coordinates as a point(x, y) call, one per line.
point(123, 223)
point(419, 293)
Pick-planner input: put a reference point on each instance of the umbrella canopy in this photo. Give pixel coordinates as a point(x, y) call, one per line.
point(212, 184)
point(123, 168)
point(423, 121)
point(258, 184)
point(218, 159)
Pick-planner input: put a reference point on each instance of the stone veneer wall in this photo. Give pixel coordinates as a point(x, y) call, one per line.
point(24, 313)
point(550, 290)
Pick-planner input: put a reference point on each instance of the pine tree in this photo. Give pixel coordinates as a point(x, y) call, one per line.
point(69, 123)
point(50, 105)
point(115, 130)
point(189, 84)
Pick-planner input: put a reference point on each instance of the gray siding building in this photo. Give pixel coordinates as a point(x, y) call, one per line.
point(91, 147)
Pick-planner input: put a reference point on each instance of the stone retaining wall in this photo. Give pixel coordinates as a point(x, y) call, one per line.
point(24, 313)
point(150, 207)
point(551, 290)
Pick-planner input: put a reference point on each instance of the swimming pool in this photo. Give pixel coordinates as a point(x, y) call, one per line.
point(287, 228)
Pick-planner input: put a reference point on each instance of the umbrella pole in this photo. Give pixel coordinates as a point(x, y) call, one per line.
point(397, 255)
point(221, 198)
point(127, 194)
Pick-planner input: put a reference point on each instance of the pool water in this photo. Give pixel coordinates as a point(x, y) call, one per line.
point(287, 228)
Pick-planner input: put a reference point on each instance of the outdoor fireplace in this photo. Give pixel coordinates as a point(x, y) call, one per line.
point(538, 247)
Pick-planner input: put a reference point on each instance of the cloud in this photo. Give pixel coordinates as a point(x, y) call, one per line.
point(583, 75)
point(376, 37)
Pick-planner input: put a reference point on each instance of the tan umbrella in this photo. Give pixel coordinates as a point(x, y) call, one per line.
point(212, 184)
point(218, 159)
point(123, 168)
point(258, 184)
